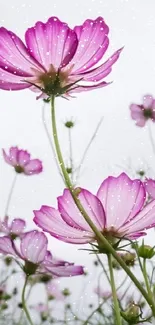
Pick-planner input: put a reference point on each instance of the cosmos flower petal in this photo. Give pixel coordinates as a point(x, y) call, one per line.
point(147, 101)
point(150, 187)
point(137, 115)
point(145, 219)
point(71, 215)
point(34, 246)
point(9, 81)
point(17, 226)
point(81, 88)
point(122, 199)
point(6, 246)
point(11, 158)
point(23, 157)
point(92, 44)
point(52, 43)
point(50, 220)
point(14, 56)
point(34, 166)
point(65, 271)
point(102, 71)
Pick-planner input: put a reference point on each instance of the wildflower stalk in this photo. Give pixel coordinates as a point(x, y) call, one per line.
point(10, 195)
point(146, 279)
point(98, 234)
point(24, 303)
point(114, 293)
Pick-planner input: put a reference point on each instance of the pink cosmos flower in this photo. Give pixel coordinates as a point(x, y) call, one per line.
point(42, 308)
point(150, 187)
point(20, 160)
point(117, 211)
point(33, 251)
point(56, 60)
point(141, 113)
point(14, 229)
point(102, 293)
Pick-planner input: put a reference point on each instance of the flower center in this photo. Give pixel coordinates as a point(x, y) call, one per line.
point(113, 237)
point(19, 169)
point(30, 268)
point(53, 82)
point(148, 113)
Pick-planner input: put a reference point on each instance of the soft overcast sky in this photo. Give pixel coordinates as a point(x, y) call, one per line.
point(132, 25)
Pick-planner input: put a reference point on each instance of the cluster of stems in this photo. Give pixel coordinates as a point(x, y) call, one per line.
point(111, 252)
point(147, 294)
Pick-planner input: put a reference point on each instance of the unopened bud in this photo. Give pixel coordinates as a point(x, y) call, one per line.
point(129, 258)
point(8, 261)
point(66, 292)
point(69, 170)
point(132, 314)
point(69, 124)
point(146, 251)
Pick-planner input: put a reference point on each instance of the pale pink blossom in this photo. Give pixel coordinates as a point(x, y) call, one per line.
point(22, 162)
point(56, 59)
point(101, 293)
point(15, 228)
point(41, 308)
point(53, 290)
point(37, 259)
point(142, 113)
point(150, 187)
point(117, 210)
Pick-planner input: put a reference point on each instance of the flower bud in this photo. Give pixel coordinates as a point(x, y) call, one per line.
point(132, 314)
point(129, 258)
point(44, 316)
point(69, 170)
point(69, 124)
point(66, 292)
point(8, 260)
point(146, 251)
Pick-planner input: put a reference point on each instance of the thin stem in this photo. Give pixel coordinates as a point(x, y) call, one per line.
point(151, 138)
point(49, 138)
point(87, 148)
point(146, 279)
point(98, 234)
point(114, 293)
point(103, 267)
point(28, 294)
point(70, 153)
point(24, 303)
point(10, 195)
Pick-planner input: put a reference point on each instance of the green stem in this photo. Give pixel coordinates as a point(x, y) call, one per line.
point(146, 279)
point(24, 303)
point(98, 234)
point(114, 293)
point(10, 195)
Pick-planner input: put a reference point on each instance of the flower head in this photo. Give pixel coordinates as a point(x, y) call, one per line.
point(144, 112)
point(37, 259)
point(56, 60)
point(20, 160)
point(14, 229)
point(117, 211)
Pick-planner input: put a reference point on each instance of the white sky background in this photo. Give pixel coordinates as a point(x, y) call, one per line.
point(132, 25)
